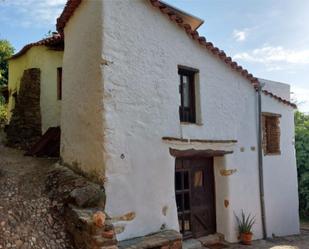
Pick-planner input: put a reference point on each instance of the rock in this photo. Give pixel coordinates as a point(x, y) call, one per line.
point(211, 239)
point(191, 244)
point(25, 245)
point(88, 196)
point(99, 219)
point(19, 243)
point(50, 220)
point(108, 234)
point(12, 222)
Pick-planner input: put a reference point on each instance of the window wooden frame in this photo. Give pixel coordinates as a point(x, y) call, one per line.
point(187, 114)
point(271, 133)
point(59, 83)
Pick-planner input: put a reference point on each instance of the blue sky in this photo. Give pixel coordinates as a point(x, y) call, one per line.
point(268, 37)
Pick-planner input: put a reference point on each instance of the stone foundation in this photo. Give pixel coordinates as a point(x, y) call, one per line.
point(82, 203)
point(167, 239)
point(25, 126)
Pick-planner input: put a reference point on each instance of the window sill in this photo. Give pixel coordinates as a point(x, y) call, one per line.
point(188, 123)
point(273, 154)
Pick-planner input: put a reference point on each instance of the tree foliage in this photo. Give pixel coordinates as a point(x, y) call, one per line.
point(302, 156)
point(6, 50)
point(3, 112)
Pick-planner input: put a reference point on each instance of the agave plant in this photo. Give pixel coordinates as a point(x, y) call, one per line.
point(245, 223)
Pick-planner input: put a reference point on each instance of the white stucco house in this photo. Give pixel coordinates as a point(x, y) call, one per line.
point(173, 123)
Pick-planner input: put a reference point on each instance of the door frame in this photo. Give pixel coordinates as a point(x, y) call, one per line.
point(180, 169)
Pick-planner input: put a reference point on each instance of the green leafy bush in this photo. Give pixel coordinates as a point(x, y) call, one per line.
point(3, 113)
point(6, 51)
point(302, 156)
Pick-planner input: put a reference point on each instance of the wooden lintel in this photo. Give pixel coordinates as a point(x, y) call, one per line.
point(269, 114)
point(198, 153)
point(186, 140)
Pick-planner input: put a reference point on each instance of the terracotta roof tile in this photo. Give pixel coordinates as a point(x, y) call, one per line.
point(67, 13)
point(55, 40)
point(279, 98)
point(219, 53)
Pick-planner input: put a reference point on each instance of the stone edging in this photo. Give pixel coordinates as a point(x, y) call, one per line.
point(82, 203)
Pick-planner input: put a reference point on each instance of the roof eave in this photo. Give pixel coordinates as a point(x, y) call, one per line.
point(194, 21)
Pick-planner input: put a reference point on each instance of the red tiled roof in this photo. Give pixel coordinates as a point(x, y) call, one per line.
point(56, 39)
point(72, 5)
point(279, 98)
point(67, 12)
point(214, 50)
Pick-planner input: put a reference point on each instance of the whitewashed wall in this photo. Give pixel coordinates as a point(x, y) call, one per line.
point(280, 175)
point(280, 89)
point(82, 104)
point(141, 49)
point(141, 101)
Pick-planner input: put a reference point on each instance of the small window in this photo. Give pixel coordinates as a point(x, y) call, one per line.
point(198, 179)
point(187, 94)
point(59, 83)
point(271, 134)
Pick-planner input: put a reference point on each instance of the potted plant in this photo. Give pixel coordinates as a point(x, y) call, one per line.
point(245, 224)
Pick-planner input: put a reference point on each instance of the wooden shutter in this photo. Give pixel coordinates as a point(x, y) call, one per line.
point(59, 83)
point(271, 134)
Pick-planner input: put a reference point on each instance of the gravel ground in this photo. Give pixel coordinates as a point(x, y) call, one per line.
point(28, 219)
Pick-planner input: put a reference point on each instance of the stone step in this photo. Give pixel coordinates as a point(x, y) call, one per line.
point(203, 242)
point(167, 239)
point(191, 244)
point(211, 239)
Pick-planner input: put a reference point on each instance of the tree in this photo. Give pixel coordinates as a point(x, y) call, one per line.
point(48, 34)
point(6, 50)
point(302, 157)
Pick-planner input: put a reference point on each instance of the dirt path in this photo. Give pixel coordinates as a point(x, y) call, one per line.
point(28, 219)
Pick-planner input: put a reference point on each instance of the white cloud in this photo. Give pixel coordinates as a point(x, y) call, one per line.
point(301, 96)
point(36, 12)
point(240, 35)
point(271, 55)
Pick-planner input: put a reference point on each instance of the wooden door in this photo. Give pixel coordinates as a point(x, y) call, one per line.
point(195, 196)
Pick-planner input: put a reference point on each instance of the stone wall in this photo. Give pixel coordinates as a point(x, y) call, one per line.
point(25, 125)
point(82, 203)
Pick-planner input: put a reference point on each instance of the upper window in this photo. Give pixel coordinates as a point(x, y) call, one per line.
point(271, 133)
point(59, 83)
point(187, 94)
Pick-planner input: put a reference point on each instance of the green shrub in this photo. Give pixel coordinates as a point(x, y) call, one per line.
point(3, 113)
point(302, 156)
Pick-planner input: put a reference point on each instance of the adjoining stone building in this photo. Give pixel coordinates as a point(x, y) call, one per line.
point(34, 89)
point(173, 124)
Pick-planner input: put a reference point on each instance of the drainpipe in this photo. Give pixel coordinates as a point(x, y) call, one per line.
point(260, 159)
